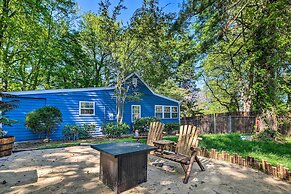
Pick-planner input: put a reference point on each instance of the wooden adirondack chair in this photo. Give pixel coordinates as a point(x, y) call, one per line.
point(155, 132)
point(185, 152)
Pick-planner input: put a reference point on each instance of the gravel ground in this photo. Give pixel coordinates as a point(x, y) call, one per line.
point(76, 170)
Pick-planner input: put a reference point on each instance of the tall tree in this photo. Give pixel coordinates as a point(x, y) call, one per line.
point(243, 48)
point(28, 34)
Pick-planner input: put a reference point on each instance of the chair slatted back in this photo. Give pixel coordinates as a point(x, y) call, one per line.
point(155, 132)
point(188, 137)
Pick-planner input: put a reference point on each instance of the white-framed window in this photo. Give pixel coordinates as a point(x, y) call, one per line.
point(166, 112)
point(159, 111)
point(174, 112)
point(86, 108)
point(135, 112)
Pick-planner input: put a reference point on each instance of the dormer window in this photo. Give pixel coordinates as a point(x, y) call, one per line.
point(134, 82)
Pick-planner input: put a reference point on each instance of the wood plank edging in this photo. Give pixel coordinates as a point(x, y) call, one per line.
point(278, 171)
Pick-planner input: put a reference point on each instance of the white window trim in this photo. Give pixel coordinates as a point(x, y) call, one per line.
point(159, 112)
point(176, 112)
point(131, 114)
point(163, 111)
point(87, 108)
point(167, 112)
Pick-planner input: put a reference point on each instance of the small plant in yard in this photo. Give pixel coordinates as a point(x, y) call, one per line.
point(115, 130)
point(44, 120)
point(143, 124)
point(75, 132)
point(71, 132)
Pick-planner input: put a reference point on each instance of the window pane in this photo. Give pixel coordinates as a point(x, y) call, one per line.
point(159, 115)
point(87, 111)
point(167, 109)
point(174, 115)
point(159, 109)
point(174, 109)
point(135, 116)
point(87, 105)
point(136, 109)
point(167, 115)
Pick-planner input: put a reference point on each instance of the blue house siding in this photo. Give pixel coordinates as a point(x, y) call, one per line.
point(147, 102)
point(25, 105)
point(68, 104)
point(67, 101)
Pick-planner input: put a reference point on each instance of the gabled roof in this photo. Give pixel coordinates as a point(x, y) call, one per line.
point(59, 91)
point(87, 90)
point(137, 75)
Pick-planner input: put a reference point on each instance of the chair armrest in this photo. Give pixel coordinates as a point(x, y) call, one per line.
point(193, 148)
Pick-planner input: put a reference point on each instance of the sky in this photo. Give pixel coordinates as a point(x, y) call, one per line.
point(132, 5)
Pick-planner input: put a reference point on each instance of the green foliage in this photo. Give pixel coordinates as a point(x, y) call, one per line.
point(172, 127)
point(143, 124)
point(6, 106)
point(75, 132)
point(44, 120)
point(115, 130)
point(243, 51)
point(270, 135)
point(260, 150)
point(71, 132)
point(30, 61)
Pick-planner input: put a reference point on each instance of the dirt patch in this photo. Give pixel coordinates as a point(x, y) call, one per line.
point(76, 170)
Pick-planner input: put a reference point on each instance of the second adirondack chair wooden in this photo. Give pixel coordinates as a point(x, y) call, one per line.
point(185, 152)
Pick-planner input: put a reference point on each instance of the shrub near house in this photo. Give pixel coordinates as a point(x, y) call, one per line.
point(44, 120)
point(74, 132)
point(115, 130)
point(143, 124)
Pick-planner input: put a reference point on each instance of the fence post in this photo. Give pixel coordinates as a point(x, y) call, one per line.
point(229, 124)
point(214, 123)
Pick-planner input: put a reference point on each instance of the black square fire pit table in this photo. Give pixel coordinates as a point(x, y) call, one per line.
point(123, 165)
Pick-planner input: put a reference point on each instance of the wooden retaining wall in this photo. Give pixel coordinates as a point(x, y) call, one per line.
point(278, 171)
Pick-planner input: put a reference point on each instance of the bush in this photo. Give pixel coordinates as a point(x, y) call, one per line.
point(171, 127)
point(143, 124)
point(115, 130)
point(44, 120)
point(71, 132)
point(85, 130)
point(270, 135)
point(75, 132)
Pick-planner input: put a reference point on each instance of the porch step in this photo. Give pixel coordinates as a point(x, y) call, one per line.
point(96, 133)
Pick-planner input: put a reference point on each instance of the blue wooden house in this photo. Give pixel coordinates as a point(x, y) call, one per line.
point(91, 105)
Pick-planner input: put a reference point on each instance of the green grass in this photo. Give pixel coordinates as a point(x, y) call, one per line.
point(59, 144)
point(272, 152)
point(231, 143)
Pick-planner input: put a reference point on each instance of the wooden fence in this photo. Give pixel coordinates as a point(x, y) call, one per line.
point(235, 122)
